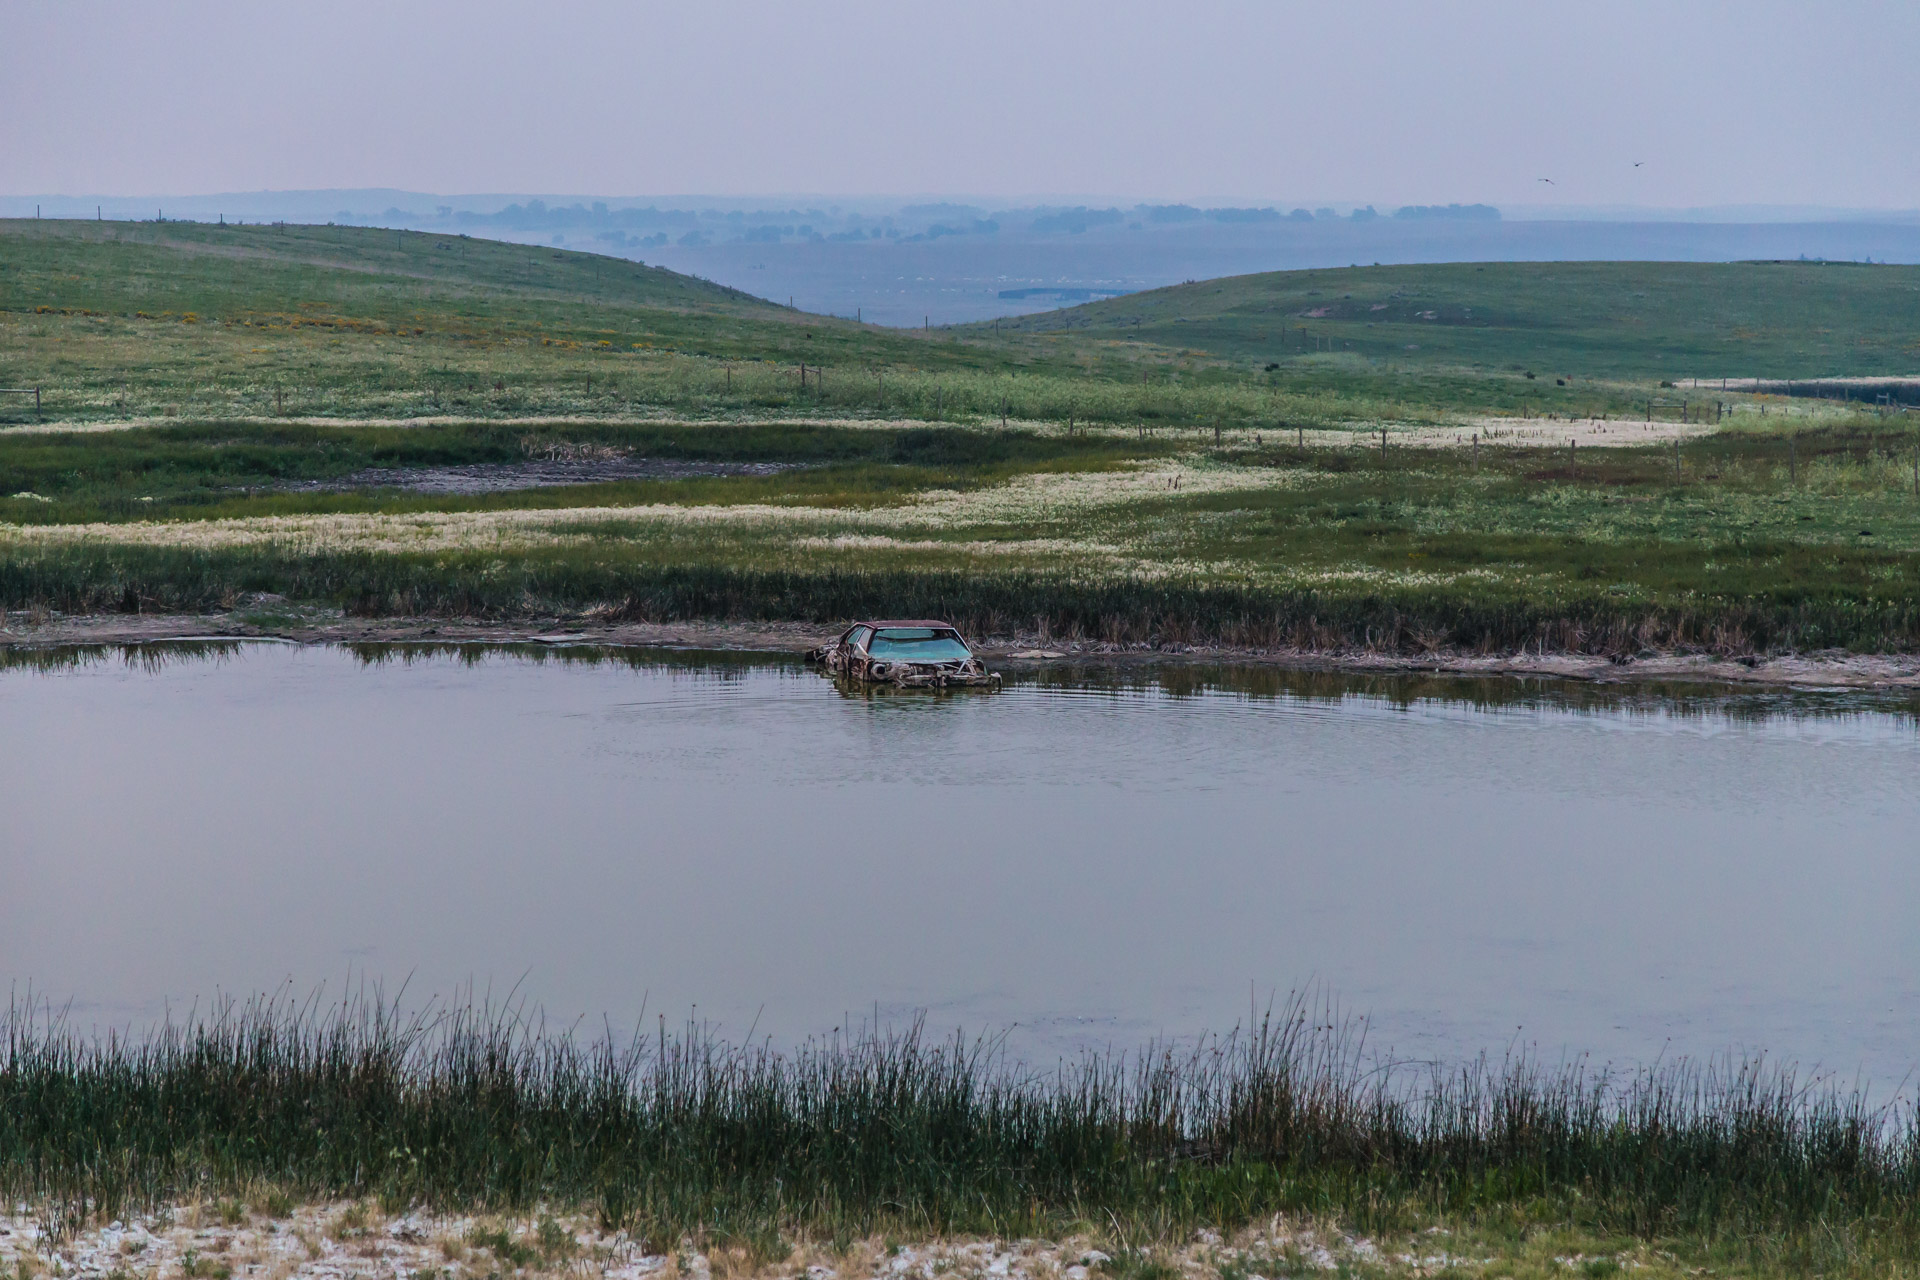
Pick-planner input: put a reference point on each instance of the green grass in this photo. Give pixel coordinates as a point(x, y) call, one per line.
point(1424, 550)
point(1584, 320)
point(269, 358)
point(858, 1135)
point(182, 319)
point(214, 469)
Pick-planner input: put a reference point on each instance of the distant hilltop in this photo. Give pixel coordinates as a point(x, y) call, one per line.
point(1065, 294)
point(627, 225)
point(1459, 212)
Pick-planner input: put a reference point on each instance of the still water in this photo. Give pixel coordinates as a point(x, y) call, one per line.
point(1084, 859)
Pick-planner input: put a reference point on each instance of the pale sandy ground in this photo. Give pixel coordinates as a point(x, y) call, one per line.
point(445, 420)
point(1748, 384)
point(1507, 432)
point(1548, 433)
point(1831, 670)
point(342, 1241)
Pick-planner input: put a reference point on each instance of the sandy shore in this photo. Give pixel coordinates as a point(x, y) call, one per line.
point(355, 1241)
point(1831, 670)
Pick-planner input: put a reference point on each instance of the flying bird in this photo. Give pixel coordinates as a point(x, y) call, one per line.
point(1638, 163)
point(1548, 181)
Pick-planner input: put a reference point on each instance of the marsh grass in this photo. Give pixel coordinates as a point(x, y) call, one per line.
point(214, 470)
point(1758, 607)
point(852, 1136)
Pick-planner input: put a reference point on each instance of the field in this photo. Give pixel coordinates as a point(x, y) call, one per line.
point(1574, 320)
point(229, 412)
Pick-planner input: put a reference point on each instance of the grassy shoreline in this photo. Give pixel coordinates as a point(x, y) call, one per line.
point(1171, 468)
point(1742, 544)
point(677, 1137)
point(89, 579)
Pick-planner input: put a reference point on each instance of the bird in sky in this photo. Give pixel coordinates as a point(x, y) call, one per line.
point(1638, 163)
point(1548, 181)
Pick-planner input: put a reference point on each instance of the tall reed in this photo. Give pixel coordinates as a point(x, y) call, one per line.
point(676, 1133)
point(1486, 617)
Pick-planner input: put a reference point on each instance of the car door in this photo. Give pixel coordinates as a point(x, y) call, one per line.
point(855, 649)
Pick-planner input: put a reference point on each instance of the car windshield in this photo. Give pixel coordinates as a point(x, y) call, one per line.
point(918, 644)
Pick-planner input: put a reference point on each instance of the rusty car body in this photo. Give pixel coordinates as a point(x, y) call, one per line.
point(912, 653)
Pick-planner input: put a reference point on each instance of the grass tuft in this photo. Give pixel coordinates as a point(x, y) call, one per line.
point(686, 1137)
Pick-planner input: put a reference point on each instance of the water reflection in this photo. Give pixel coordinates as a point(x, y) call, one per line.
point(1094, 855)
point(1677, 700)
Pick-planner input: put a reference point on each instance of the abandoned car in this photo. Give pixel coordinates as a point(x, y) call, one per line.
point(912, 654)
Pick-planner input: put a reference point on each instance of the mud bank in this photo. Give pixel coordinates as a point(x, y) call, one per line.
point(1826, 670)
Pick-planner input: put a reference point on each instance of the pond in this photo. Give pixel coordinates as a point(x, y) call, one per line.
point(1089, 858)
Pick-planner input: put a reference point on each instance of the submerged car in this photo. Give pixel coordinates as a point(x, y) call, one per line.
point(913, 654)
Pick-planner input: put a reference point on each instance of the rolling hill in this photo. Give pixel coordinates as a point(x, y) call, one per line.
point(1593, 319)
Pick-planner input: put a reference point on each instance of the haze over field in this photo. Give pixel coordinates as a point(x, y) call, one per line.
point(906, 263)
point(943, 166)
point(1384, 101)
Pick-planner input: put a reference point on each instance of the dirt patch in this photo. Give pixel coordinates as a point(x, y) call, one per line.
point(1546, 433)
point(356, 1240)
point(503, 477)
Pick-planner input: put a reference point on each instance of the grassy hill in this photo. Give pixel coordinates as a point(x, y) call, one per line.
point(1592, 319)
point(373, 274)
point(231, 410)
point(187, 319)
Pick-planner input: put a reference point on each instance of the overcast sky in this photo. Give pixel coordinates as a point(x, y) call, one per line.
point(1383, 101)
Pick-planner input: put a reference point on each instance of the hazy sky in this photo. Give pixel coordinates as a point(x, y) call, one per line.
point(1386, 101)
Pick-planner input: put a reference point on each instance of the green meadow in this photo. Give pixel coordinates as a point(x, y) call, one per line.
point(1427, 459)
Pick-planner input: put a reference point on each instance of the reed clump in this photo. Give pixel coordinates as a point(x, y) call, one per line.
point(609, 582)
point(678, 1135)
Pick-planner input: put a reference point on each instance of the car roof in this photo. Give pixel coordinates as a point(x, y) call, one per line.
point(907, 622)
